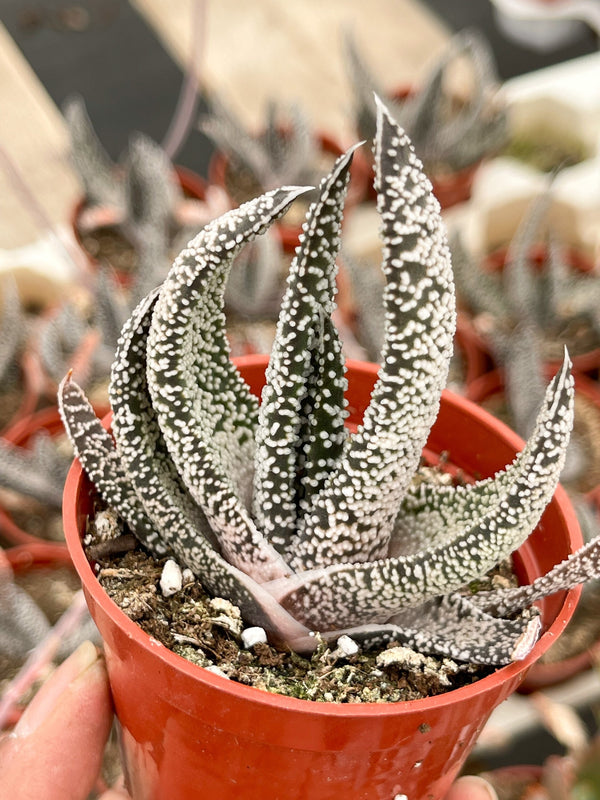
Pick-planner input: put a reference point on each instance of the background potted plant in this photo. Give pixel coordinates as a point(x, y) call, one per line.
point(536, 279)
point(135, 205)
point(285, 152)
point(451, 133)
point(344, 549)
point(35, 457)
point(20, 378)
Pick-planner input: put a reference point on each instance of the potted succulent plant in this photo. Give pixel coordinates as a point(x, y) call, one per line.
point(537, 281)
point(133, 207)
point(320, 538)
point(451, 135)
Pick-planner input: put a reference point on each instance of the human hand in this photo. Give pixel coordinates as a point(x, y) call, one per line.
point(471, 787)
point(56, 749)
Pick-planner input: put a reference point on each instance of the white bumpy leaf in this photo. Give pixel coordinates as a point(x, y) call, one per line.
point(203, 406)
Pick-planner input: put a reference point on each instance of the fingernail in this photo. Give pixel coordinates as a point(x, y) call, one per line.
point(472, 787)
point(49, 695)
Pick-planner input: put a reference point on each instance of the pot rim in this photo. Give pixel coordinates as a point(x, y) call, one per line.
point(92, 588)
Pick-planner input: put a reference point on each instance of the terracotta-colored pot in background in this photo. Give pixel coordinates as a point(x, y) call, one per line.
point(184, 728)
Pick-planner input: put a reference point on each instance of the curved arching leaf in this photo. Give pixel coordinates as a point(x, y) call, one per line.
point(205, 410)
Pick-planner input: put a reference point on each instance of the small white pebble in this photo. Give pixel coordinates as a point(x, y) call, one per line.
point(222, 606)
point(107, 525)
point(216, 671)
point(171, 579)
point(252, 636)
point(347, 646)
point(187, 576)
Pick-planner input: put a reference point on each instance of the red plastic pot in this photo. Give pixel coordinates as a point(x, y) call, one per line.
point(219, 167)
point(192, 185)
point(21, 434)
point(186, 730)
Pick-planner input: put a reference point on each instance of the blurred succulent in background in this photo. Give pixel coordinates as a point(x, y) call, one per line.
point(21, 380)
point(539, 286)
point(13, 332)
point(368, 318)
point(82, 335)
point(282, 153)
point(43, 619)
point(449, 133)
point(22, 622)
point(575, 775)
point(37, 471)
point(131, 206)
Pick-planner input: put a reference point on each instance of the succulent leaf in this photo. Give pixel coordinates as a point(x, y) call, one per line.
point(442, 136)
point(361, 497)
point(37, 471)
point(301, 419)
point(95, 449)
point(478, 288)
point(583, 565)
point(22, 622)
point(93, 164)
point(257, 280)
point(151, 192)
point(515, 502)
point(11, 327)
point(142, 451)
point(452, 626)
point(281, 154)
point(188, 367)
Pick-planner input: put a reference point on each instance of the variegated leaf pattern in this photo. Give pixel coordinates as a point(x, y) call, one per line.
point(202, 404)
point(301, 418)
point(359, 502)
point(478, 536)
